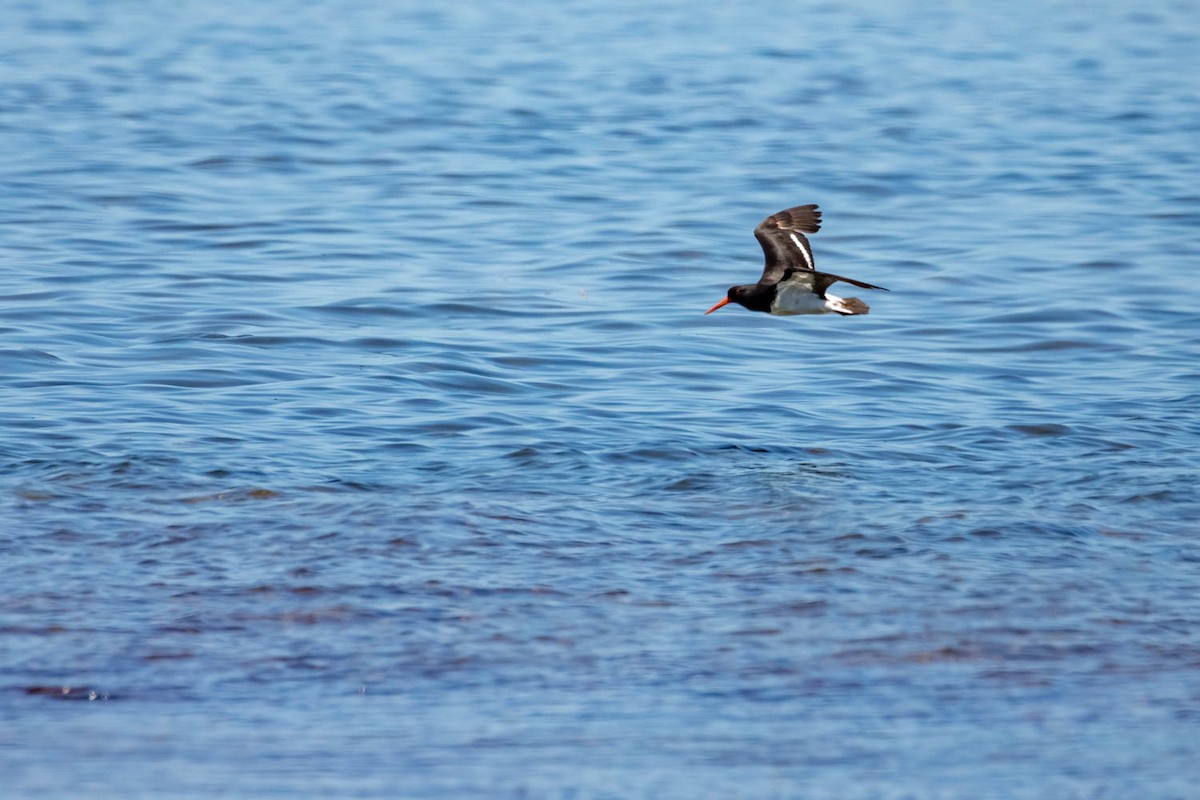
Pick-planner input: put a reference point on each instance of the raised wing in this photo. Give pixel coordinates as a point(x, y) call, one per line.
point(783, 242)
point(819, 282)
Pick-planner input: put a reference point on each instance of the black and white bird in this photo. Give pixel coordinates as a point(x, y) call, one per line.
point(790, 283)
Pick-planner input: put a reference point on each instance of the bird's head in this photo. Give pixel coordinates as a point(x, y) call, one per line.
point(749, 295)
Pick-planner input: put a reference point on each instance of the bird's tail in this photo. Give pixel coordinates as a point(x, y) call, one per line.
point(849, 306)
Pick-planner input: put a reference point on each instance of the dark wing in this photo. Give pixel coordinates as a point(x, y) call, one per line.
point(783, 242)
point(819, 282)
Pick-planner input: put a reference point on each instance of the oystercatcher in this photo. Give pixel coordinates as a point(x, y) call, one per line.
point(790, 283)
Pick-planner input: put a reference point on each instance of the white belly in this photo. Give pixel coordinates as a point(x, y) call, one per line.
point(799, 300)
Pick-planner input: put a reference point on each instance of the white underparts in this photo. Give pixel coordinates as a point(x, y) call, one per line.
point(800, 300)
point(791, 300)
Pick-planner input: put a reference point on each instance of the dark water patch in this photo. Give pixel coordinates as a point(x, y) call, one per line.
point(27, 358)
point(1061, 344)
point(366, 310)
point(1042, 429)
point(265, 341)
point(232, 496)
point(179, 226)
point(1052, 314)
point(67, 693)
point(1105, 264)
point(243, 244)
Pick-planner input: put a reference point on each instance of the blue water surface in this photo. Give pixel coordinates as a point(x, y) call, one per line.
point(363, 435)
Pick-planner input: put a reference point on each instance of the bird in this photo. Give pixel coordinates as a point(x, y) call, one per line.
point(790, 283)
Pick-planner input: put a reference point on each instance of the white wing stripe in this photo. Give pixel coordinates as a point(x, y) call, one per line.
point(803, 250)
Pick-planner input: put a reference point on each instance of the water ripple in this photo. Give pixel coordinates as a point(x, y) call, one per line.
point(361, 418)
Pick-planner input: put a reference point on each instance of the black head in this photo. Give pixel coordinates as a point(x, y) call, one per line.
point(749, 295)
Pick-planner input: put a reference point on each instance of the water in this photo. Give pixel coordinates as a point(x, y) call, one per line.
point(363, 435)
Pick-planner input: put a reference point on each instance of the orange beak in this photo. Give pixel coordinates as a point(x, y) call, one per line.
point(718, 305)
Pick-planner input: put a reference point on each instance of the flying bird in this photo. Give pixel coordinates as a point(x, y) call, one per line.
point(790, 283)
